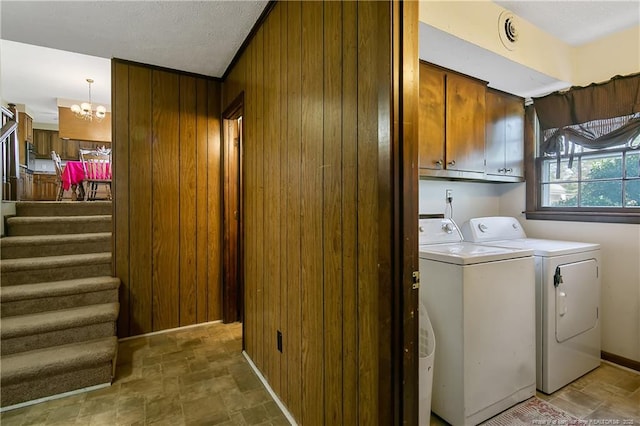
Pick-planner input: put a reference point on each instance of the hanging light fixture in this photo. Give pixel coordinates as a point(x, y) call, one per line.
point(85, 109)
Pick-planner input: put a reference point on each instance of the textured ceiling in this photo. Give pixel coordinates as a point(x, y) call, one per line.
point(49, 48)
point(195, 36)
point(577, 22)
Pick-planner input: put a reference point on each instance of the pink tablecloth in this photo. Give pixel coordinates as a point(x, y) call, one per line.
point(72, 174)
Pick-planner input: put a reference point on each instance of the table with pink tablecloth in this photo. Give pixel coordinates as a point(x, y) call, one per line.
point(72, 174)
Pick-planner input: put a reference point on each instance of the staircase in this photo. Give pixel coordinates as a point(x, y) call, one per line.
point(58, 301)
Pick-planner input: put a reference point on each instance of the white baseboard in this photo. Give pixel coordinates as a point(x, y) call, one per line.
point(52, 397)
point(282, 407)
point(169, 330)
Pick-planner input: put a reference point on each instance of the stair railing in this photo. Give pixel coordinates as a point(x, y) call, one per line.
point(10, 156)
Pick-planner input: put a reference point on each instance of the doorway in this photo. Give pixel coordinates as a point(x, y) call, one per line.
point(233, 283)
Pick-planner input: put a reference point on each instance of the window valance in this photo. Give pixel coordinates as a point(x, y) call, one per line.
point(617, 97)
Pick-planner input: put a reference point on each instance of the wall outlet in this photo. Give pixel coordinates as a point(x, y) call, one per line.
point(449, 195)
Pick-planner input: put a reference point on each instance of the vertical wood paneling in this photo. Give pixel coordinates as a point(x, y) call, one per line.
point(187, 201)
point(201, 200)
point(282, 314)
point(332, 212)
point(214, 203)
point(166, 201)
point(248, 214)
point(320, 179)
point(350, 212)
point(140, 190)
point(259, 197)
point(120, 87)
point(293, 338)
point(166, 198)
point(272, 195)
point(367, 214)
point(312, 213)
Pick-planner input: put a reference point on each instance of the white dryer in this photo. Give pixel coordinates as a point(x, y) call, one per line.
point(567, 299)
point(480, 301)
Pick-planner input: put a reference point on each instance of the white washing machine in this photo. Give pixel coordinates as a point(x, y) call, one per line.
point(567, 299)
point(481, 304)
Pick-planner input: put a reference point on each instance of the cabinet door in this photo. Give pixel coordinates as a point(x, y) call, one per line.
point(56, 144)
point(72, 149)
point(465, 123)
point(495, 134)
point(29, 128)
point(514, 136)
point(431, 129)
point(42, 143)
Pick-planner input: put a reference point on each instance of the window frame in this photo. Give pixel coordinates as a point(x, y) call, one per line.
point(533, 173)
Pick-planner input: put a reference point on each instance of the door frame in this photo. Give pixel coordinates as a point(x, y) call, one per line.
point(232, 226)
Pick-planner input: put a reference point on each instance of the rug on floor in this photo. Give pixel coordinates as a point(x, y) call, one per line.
point(533, 411)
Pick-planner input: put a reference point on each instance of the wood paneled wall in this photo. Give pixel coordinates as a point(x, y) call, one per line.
point(167, 198)
point(320, 230)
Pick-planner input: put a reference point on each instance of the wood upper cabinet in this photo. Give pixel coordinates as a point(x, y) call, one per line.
point(25, 134)
point(465, 111)
point(42, 143)
point(451, 124)
point(431, 122)
point(56, 144)
point(504, 136)
point(72, 149)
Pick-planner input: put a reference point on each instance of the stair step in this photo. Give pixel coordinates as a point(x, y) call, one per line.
point(55, 225)
point(54, 268)
point(25, 333)
point(35, 374)
point(41, 297)
point(63, 208)
point(54, 245)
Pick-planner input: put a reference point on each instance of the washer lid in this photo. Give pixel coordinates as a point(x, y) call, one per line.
point(547, 248)
point(468, 254)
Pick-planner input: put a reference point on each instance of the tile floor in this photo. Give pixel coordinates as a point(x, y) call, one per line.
point(195, 376)
point(198, 376)
point(607, 395)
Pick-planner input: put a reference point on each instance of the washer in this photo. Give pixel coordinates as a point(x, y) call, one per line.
point(481, 303)
point(567, 299)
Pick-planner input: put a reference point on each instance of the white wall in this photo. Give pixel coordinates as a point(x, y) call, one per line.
point(620, 243)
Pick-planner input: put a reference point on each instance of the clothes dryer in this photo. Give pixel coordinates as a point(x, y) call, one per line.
point(481, 303)
point(567, 276)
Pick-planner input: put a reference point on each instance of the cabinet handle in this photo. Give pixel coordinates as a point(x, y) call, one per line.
point(438, 163)
point(509, 170)
point(452, 163)
point(502, 170)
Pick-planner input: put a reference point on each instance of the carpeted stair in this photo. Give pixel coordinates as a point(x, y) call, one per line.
point(58, 300)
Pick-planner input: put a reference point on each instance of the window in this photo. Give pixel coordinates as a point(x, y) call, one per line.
point(591, 178)
point(587, 154)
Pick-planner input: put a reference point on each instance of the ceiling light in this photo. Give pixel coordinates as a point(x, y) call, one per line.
point(85, 109)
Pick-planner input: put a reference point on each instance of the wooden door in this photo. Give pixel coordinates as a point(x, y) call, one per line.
point(465, 112)
point(232, 287)
point(431, 132)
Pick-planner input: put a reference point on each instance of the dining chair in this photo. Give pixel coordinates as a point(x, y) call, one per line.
point(97, 171)
point(58, 166)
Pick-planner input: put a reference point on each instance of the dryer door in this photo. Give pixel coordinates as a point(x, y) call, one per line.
point(577, 298)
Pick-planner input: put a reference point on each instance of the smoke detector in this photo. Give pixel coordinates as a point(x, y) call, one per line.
point(508, 30)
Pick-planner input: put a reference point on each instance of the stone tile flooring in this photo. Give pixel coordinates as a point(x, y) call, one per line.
point(606, 395)
point(195, 376)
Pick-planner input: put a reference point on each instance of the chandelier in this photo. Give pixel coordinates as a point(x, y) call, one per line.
point(85, 109)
